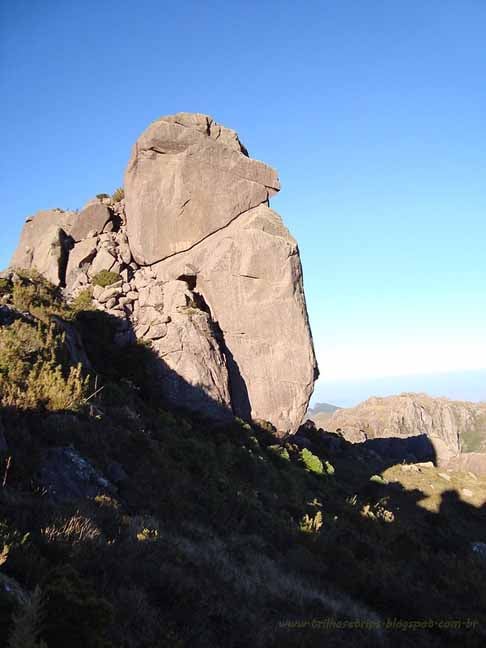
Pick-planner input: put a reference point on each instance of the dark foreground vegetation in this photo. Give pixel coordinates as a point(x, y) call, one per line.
point(124, 524)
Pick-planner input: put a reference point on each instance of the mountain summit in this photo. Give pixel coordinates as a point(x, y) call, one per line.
point(200, 268)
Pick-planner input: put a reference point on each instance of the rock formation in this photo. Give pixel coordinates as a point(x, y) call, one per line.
point(455, 428)
point(206, 272)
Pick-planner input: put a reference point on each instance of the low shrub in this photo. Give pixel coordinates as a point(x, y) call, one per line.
point(83, 301)
point(32, 293)
point(378, 479)
point(328, 468)
point(105, 278)
point(280, 451)
point(45, 387)
point(100, 196)
point(310, 524)
point(311, 462)
point(118, 195)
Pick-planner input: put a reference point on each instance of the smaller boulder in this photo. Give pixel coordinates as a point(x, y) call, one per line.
point(68, 476)
point(92, 218)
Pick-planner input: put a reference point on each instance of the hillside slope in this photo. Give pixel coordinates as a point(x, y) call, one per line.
point(125, 523)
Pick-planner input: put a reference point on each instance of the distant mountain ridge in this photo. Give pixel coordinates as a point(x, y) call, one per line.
point(321, 413)
point(457, 428)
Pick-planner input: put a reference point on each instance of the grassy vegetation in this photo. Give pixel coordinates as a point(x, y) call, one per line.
point(83, 301)
point(213, 535)
point(105, 278)
point(118, 194)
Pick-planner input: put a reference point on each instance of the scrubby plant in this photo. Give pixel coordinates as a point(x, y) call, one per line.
point(105, 278)
point(34, 294)
point(378, 479)
point(118, 194)
point(75, 530)
point(243, 424)
point(311, 461)
point(310, 524)
point(35, 370)
point(280, 451)
point(328, 468)
point(100, 196)
point(45, 387)
point(83, 301)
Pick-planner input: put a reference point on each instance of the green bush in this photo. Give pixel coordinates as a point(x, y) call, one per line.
point(35, 370)
point(378, 479)
point(280, 451)
point(118, 195)
point(105, 278)
point(32, 293)
point(311, 462)
point(329, 468)
point(83, 301)
point(102, 195)
point(45, 386)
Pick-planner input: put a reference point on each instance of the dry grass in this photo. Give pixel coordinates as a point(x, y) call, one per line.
point(434, 482)
point(77, 529)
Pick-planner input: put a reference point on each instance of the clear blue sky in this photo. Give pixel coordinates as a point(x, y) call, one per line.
point(373, 113)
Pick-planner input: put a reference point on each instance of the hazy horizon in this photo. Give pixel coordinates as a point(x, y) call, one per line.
point(461, 386)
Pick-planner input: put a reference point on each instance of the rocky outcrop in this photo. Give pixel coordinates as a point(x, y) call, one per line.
point(205, 272)
point(90, 222)
point(66, 476)
point(188, 178)
point(44, 244)
point(454, 428)
point(250, 277)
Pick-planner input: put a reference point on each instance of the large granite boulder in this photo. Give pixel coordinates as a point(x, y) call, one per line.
point(203, 271)
point(43, 244)
point(90, 220)
point(187, 178)
point(250, 277)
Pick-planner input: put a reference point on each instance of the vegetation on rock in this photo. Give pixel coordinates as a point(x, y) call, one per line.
point(105, 278)
point(118, 194)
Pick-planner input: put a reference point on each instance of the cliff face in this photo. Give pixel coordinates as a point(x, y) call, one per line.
point(207, 272)
point(452, 426)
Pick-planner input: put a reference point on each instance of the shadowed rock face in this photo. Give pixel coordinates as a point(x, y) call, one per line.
point(209, 274)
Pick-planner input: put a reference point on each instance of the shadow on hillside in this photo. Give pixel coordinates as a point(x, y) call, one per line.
point(159, 383)
point(201, 528)
point(416, 459)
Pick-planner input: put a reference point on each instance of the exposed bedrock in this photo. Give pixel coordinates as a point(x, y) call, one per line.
point(208, 273)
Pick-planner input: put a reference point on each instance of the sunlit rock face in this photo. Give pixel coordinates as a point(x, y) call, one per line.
point(205, 271)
